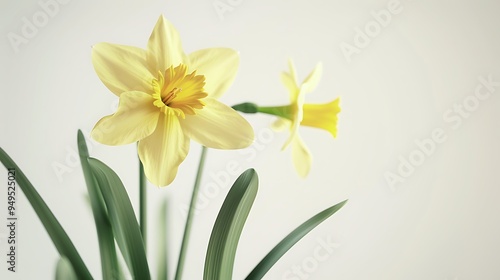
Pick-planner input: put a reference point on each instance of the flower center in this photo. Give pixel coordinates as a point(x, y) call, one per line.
point(170, 96)
point(179, 93)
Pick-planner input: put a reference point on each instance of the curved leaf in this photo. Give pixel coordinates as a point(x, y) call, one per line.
point(64, 270)
point(123, 221)
point(227, 229)
point(279, 250)
point(189, 219)
point(109, 261)
point(162, 243)
point(56, 232)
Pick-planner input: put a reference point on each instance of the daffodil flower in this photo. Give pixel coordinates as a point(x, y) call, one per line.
point(322, 116)
point(166, 99)
point(297, 113)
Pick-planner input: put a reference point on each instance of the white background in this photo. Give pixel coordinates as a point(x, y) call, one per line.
point(440, 223)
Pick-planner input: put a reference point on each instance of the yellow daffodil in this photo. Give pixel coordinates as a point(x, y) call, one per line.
point(168, 98)
point(322, 116)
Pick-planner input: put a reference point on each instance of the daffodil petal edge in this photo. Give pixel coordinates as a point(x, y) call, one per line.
point(218, 126)
point(163, 151)
point(135, 119)
point(218, 65)
point(164, 46)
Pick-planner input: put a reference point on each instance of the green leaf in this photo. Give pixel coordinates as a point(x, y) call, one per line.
point(279, 250)
point(162, 243)
point(109, 261)
point(57, 234)
point(227, 229)
point(189, 220)
point(64, 270)
point(123, 220)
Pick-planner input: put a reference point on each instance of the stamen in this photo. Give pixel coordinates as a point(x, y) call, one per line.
point(171, 95)
point(167, 90)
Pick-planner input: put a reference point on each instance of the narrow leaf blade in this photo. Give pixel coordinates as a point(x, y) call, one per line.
point(57, 234)
point(279, 250)
point(109, 260)
point(64, 270)
point(123, 220)
point(162, 244)
point(227, 229)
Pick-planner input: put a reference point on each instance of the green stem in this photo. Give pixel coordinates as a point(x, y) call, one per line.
point(162, 243)
point(187, 229)
point(284, 111)
point(142, 202)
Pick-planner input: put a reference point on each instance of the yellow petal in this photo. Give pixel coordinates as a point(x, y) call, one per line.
point(163, 151)
point(293, 72)
point(290, 85)
point(311, 81)
point(298, 115)
point(301, 156)
point(122, 68)
point(218, 65)
point(294, 128)
point(164, 46)
point(290, 81)
point(218, 126)
point(135, 119)
point(322, 116)
point(281, 124)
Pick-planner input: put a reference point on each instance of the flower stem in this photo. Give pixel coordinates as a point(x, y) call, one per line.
point(285, 111)
point(187, 229)
point(142, 202)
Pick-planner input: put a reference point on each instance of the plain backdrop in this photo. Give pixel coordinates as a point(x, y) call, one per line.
point(400, 79)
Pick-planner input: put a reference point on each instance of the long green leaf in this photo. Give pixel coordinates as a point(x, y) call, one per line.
point(123, 220)
point(189, 220)
point(279, 250)
point(109, 261)
point(64, 270)
point(227, 229)
point(143, 206)
point(56, 232)
point(162, 243)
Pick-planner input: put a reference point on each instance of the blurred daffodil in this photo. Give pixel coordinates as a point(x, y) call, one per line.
point(167, 98)
point(322, 116)
point(297, 113)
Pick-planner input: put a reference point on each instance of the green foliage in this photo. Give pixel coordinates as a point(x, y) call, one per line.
point(64, 270)
point(279, 250)
point(227, 229)
point(56, 232)
point(122, 217)
point(109, 261)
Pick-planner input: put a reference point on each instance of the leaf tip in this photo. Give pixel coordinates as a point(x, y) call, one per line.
point(341, 204)
point(82, 145)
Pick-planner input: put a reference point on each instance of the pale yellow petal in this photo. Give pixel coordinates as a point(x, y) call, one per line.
point(218, 126)
point(290, 85)
point(294, 128)
point(163, 151)
point(281, 124)
point(322, 116)
point(312, 81)
point(293, 72)
point(301, 157)
point(135, 119)
point(122, 68)
point(297, 118)
point(289, 79)
point(164, 46)
point(218, 65)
